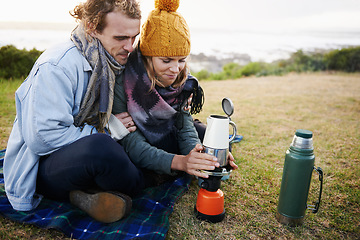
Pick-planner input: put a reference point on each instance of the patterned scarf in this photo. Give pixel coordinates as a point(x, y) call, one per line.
point(155, 111)
point(97, 103)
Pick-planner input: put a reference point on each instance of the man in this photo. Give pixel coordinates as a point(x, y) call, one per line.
point(57, 147)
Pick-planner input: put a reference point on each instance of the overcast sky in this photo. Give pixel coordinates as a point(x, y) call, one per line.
point(228, 14)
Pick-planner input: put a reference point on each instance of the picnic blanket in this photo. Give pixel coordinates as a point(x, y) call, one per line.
point(149, 217)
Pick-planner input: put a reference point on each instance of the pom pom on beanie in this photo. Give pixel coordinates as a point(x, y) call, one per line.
point(167, 5)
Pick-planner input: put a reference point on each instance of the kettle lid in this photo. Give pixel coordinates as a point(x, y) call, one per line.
point(228, 106)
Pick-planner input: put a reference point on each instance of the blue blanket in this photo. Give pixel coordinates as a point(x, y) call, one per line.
point(149, 218)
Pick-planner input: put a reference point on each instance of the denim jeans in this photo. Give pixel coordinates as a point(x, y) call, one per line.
point(92, 162)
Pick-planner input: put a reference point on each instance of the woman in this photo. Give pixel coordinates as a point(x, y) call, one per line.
point(157, 86)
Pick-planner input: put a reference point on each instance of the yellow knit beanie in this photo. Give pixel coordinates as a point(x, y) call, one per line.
point(165, 32)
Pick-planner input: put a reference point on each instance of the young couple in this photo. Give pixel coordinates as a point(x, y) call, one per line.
point(98, 119)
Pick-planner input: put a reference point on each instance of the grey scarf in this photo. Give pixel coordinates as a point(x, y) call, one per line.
point(96, 106)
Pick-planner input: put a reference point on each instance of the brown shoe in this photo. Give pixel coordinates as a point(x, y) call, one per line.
point(104, 207)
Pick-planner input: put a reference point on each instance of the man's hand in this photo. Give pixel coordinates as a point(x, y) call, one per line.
point(127, 121)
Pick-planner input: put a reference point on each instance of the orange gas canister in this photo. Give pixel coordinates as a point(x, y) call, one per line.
point(210, 204)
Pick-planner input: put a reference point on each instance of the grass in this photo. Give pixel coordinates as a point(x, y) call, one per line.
point(268, 110)
point(7, 108)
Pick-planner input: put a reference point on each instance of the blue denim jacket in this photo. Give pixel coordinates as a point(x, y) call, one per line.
point(46, 104)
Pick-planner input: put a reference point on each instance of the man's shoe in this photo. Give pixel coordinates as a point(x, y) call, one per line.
point(104, 207)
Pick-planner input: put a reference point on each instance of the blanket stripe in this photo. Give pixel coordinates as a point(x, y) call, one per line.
point(149, 218)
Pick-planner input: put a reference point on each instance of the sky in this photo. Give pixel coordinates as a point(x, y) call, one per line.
point(212, 14)
point(263, 29)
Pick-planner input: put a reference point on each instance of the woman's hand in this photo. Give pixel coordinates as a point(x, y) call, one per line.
point(127, 121)
point(187, 106)
point(194, 162)
point(231, 161)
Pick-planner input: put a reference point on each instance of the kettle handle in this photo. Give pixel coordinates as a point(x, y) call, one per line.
point(315, 208)
point(234, 131)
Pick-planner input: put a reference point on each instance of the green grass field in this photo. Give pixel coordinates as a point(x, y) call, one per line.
point(268, 110)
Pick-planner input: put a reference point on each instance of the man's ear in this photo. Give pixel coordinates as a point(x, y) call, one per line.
point(91, 30)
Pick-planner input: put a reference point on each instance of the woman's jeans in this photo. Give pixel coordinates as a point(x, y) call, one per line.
point(92, 162)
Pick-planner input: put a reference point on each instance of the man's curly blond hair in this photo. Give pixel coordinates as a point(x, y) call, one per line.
point(92, 13)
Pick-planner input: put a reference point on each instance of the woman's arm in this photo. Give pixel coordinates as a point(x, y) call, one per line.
point(144, 155)
point(187, 134)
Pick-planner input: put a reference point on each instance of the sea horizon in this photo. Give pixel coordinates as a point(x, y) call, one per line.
point(259, 44)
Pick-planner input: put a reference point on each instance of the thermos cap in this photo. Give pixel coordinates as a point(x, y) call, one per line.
point(304, 133)
point(303, 139)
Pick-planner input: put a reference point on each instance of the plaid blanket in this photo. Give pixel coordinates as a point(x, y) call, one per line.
point(149, 218)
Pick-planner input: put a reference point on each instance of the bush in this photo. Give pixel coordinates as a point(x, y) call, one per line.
point(15, 63)
point(301, 62)
point(202, 75)
point(217, 76)
point(232, 71)
point(252, 68)
point(275, 68)
point(347, 59)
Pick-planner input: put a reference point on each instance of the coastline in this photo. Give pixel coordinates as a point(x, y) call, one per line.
point(211, 48)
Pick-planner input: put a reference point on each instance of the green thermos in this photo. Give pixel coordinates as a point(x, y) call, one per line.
point(296, 178)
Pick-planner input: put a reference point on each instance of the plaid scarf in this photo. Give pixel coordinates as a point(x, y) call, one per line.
point(155, 110)
point(97, 103)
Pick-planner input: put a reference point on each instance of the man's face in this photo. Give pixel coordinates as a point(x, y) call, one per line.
point(119, 35)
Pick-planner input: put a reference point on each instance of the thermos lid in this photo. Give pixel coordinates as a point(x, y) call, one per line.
point(304, 133)
point(303, 139)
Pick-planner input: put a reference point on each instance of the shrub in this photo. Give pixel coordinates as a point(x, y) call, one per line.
point(347, 59)
point(202, 75)
point(252, 68)
point(232, 71)
point(305, 62)
point(275, 68)
point(15, 63)
point(217, 76)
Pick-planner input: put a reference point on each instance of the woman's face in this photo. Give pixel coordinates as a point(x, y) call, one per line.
point(168, 68)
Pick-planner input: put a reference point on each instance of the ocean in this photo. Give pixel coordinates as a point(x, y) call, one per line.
point(265, 46)
point(269, 45)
